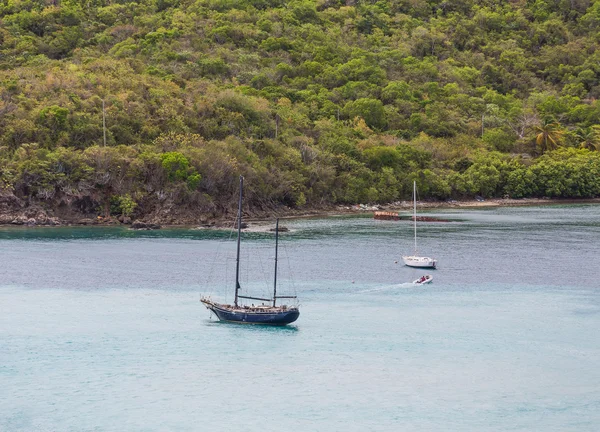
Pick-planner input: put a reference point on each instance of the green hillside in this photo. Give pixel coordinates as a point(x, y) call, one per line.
point(314, 102)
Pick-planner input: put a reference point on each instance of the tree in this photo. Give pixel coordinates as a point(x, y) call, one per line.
point(549, 134)
point(589, 138)
point(371, 110)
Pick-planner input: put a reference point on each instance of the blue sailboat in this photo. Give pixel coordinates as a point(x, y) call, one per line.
point(272, 313)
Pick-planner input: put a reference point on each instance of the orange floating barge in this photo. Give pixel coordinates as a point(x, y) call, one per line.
point(386, 215)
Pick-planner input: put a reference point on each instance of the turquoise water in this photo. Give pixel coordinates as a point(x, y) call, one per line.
point(101, 329)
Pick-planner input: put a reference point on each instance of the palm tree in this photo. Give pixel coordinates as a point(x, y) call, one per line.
point(549, 134)
point(589, 138)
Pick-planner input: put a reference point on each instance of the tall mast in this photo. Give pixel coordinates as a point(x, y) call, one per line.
point(239, 233)
point(276, 247)
point(415, 212)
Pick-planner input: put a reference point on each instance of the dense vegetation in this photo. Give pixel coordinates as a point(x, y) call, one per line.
point(314, 101)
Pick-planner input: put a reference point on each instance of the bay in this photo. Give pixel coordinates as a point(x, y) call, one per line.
point(101, 328)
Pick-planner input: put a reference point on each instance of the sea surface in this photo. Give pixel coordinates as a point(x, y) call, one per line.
point(101, 329)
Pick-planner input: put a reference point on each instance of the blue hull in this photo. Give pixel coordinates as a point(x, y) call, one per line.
point(248, 316)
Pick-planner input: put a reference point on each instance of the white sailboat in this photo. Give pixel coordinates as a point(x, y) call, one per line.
point(415, 260)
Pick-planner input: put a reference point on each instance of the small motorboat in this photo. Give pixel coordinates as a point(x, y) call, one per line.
point(425, 279)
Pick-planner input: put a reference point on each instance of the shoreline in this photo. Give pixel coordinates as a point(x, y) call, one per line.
point(261, 219)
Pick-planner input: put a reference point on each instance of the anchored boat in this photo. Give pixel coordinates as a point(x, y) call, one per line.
point(272, 313)
point(416, 260)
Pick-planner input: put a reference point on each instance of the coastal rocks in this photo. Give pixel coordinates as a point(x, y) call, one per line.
point(139, 225)
point(41, 220)
point(11, 209)
point(363, 207)
point(9, 203)
point(36, 215)
point(54, 221)
point(98, 220)
point(208, 224)
point(19, 220)
point(6, 219)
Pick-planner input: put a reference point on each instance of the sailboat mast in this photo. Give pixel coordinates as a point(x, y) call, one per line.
point(276, 248)
point(415, 212)
point(239, 234)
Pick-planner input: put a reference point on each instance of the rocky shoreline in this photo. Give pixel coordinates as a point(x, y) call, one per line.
point(15, 212)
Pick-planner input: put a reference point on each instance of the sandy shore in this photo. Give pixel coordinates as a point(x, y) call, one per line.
point(261, 224)
point(264, 221)
point(450, 204)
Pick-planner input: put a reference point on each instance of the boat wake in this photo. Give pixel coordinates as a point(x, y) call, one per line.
point(388, 288)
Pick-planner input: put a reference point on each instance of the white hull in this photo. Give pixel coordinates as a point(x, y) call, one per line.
point(421, 262)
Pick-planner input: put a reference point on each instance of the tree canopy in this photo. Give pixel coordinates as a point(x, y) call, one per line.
point(314, 101)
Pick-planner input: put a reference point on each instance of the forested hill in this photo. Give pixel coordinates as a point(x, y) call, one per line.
point(314, 102)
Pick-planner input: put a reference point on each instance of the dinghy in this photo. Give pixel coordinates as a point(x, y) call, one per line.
point(425, 279)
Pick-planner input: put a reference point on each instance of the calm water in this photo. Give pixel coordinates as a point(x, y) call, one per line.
point(101, 329)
